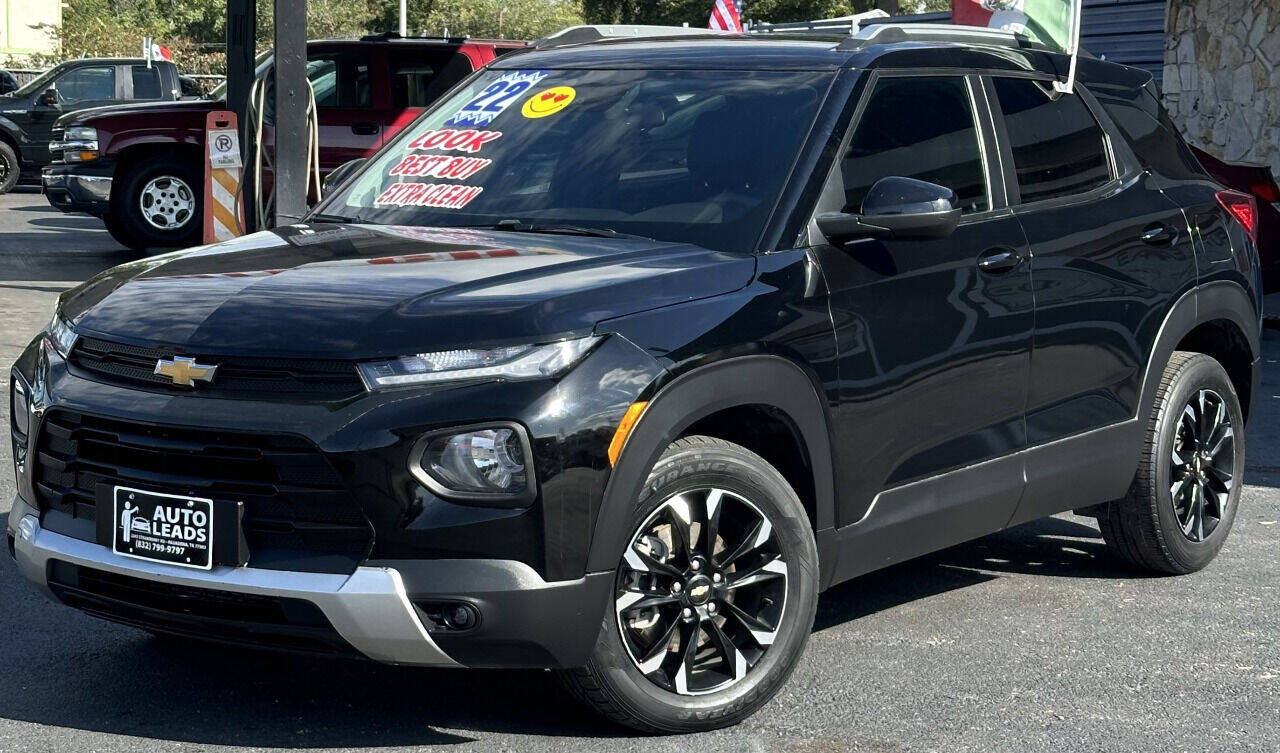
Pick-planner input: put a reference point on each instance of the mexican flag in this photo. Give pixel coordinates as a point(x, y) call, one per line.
point(1046, 21)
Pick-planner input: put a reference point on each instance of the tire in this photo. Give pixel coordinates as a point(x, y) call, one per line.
point(1148, 528)
point(720, 691)
point(174, 183)
point(121, 236)
point(10, 168)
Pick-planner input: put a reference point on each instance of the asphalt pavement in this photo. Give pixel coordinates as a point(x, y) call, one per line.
point(1033, 639)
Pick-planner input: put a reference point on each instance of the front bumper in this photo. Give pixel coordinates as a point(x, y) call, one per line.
point(524, 621)
point(78, 188)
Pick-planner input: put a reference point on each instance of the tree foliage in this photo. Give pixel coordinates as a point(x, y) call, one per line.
point(194, 30)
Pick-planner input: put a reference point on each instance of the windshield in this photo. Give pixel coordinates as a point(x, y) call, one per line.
point(261, 64)
point(682, 156)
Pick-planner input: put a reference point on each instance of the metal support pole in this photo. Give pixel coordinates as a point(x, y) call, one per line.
point(291, 137)
point(404, 18)
point(242, 18)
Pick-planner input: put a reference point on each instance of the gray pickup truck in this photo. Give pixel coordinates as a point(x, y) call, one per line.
point(28, 114)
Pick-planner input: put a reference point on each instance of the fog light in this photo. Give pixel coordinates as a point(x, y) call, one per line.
point(27, 528)
point(482, 463)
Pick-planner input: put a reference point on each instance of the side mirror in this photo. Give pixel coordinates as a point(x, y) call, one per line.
point(49, 99)
point(340, 174)
point(896, 207)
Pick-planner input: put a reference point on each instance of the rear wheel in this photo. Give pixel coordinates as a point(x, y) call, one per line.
point(714, 595)
point(9, 168)
point(159, 204)
point(1184, 496)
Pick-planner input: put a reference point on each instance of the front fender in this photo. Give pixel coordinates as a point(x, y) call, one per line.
point(747, 380)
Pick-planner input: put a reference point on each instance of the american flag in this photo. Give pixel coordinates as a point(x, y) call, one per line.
point(726, 15)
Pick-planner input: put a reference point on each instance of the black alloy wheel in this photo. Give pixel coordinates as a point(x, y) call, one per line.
point(1203, 465)
point(701, 591)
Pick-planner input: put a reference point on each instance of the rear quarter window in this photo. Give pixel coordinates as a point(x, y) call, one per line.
point(1149, 131)
point(1058, 147)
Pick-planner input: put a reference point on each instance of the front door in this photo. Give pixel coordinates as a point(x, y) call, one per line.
point(934, 335)
point(78, 89)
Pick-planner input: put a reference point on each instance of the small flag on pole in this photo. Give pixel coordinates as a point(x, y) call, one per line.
point(1054, 23)
point(726, 15)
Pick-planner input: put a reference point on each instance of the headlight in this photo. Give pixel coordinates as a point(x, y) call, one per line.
point(510, 363)
point(60, 335)
point(20, 404)
point(79, 144)
point(477, 463)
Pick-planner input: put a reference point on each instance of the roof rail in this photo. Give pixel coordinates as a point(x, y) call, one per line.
point(391, 36)
point(599, 32)
point(888, 33)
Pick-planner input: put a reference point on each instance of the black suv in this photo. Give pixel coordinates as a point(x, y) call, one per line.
point(620, 354)
point(27, 115)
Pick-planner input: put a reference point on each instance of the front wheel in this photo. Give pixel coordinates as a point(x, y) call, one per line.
point(714, 594)
point(159, 205)
point(9, 168)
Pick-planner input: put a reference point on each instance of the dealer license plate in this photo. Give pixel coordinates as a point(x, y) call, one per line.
point(171, 528)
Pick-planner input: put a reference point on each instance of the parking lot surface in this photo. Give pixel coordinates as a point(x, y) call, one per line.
point(1031, 639)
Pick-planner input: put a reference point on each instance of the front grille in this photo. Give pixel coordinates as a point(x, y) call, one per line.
point(237, 377)
point(298, 514)
point(250, 619)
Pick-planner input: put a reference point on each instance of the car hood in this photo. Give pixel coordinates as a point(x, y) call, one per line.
point(134, 109)
point(362, 291)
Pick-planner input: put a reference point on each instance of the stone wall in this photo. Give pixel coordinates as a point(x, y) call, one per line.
point(1222, 76)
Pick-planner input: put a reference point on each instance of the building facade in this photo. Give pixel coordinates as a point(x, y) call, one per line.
point(1222, 77)
point(25, 27)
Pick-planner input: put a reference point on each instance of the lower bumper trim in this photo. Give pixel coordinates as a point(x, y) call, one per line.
point(369, 609)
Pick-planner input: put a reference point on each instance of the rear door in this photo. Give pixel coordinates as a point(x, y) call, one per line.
point(145, 84)
point(351, 106)
point(1110, 255)
point(419, 75)
point(934, 346)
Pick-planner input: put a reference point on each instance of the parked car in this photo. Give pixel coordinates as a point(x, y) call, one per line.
point(27, 117)
point(621, 353)
point(8, 83)
point(1258, 181)
point(145, 177)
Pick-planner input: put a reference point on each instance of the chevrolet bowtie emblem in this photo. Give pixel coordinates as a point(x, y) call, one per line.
point(185, 371)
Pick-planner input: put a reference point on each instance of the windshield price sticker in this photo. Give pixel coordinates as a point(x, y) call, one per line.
point(453, 140)
point(439, 166)
point(224, 148)
point(439, 195)
point(495, 98)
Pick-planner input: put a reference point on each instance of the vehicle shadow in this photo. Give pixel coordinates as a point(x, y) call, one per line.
point(68, 670)
point(1052, 547)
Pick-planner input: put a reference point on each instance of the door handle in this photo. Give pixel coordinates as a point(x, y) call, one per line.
point(364, 128)
point(1159, 235)
point(999, 260)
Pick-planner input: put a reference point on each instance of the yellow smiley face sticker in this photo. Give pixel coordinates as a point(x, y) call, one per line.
point(548, 102)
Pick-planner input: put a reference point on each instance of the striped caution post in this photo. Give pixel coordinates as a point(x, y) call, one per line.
point(223, 170)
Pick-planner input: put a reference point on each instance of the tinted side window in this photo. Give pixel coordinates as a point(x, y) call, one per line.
point(919, 128)
point(1150, 133)
point(418, 79)
point(146, 82)
point(87, 83)
point(1058, 147)
point(340, 79)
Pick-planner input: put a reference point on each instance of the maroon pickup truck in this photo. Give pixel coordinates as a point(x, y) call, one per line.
point(138, 167)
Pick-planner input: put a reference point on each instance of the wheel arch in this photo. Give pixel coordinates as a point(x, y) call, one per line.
point(714, 399)
point(1219, 319)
